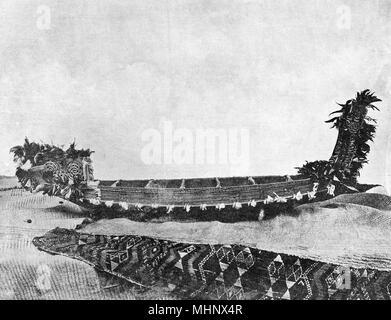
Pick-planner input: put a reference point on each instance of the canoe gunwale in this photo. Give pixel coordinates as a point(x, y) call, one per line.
point(185, 190)
point(207, 196)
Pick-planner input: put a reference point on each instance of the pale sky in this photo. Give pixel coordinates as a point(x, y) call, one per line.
point(104, 72)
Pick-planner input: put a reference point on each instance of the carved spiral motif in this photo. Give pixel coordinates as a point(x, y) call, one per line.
point(75, 170)
point(51, 166)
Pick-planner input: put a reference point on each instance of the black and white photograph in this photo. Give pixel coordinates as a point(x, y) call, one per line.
point(217, 150)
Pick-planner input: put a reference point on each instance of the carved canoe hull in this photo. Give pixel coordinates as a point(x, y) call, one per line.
point(210, 196)
point(228, 198)
point(227, 204)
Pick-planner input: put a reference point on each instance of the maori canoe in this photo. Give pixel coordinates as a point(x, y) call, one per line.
point(217, 198)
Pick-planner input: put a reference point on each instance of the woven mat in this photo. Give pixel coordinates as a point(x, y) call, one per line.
point(202, 271)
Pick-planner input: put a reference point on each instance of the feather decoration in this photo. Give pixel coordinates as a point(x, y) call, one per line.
point(236, 205)
point(109, 204)
point(252, 203)
point(124, 205)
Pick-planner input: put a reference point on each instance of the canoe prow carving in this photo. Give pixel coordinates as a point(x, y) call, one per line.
point(52, 170)
point(355, 130)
